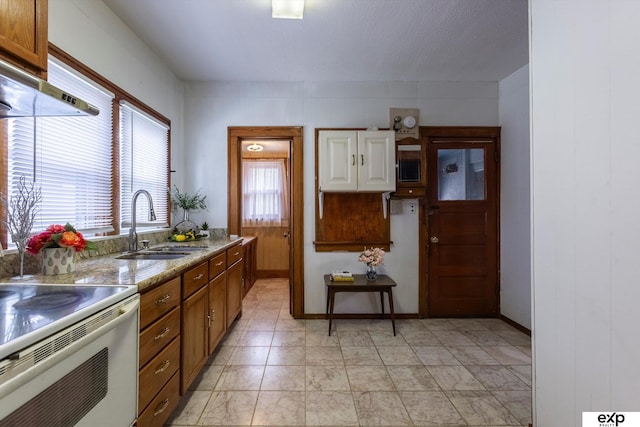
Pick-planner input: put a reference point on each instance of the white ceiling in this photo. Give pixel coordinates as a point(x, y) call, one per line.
point(338, 40)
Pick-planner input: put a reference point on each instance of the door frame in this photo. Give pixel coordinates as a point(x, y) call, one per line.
point(235, 136)
point(427, 132)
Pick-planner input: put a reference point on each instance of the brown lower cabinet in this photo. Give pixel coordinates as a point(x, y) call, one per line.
point(159, 354)
point(181, 323)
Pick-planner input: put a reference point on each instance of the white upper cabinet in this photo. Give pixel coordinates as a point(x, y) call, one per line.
point(350, 161)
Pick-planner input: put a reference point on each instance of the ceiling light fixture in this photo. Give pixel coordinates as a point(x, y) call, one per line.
point(287, 9)
point(255, 147)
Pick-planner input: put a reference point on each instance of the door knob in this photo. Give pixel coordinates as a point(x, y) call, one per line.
point(434, 239)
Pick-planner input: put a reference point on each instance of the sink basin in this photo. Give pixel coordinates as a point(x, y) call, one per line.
point(153, 255)
point(177, 248)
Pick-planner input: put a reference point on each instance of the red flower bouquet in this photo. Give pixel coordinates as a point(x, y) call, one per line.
point(59, 236)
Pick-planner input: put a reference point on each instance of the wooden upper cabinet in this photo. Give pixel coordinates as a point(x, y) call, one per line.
point(354, 161)
point(411, 172)
point(24, 34)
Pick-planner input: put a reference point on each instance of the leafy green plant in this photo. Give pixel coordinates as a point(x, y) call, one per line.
point(186, 201)
point(204, 226)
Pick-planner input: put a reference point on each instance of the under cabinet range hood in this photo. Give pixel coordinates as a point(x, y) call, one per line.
point(24, 95)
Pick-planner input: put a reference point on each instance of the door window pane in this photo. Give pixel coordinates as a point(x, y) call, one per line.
point(461, 174)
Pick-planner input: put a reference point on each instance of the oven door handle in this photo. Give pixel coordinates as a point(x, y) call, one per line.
point(128, 309)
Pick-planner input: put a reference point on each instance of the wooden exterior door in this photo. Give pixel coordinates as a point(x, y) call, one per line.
point(462, 217)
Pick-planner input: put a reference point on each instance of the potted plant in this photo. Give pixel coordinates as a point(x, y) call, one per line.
point(187, 202)
point(204, 230)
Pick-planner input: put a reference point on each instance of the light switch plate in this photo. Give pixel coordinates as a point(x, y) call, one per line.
point(395, 207)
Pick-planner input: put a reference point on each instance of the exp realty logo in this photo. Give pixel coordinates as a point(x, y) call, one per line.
point(611, 419)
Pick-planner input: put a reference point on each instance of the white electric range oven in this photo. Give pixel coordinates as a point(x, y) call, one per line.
point(68, 355)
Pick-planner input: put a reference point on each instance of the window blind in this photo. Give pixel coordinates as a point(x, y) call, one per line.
point(69, 158)
point(144, 164)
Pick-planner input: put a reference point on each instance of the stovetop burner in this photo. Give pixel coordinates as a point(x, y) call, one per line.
point(30, 312)
point(49, 301)
point(4, 294)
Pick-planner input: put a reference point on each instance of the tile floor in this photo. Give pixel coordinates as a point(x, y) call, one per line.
point(273, 370)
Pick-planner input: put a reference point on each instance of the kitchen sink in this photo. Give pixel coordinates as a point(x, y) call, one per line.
point(177, 248)
point(153, 255)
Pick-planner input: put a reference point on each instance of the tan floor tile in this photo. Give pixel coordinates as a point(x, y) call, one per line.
point(189, 409)
point(497, 378)
point(360, 375)
point(472, 355)
point(280, 408)
point(454, 378)
point(435, 355)
point(412, 378)
point(249, 356)
point(508, 355)
point(324, 356)
point(238, 377)
point(398, 356)
point(361, 356)
point(327, 378)
point(289, 338)
point(430, 408)
point(351, 338)
point(227, 408)
point(283, 378)
point(480, 408)
point(369, 378)
point(287, 356)
point(381, 408)
point(331, 408)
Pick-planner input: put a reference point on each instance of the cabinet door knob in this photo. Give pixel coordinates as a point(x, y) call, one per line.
point(353, 160)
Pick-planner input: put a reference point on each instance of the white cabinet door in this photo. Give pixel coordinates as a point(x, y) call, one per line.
point(337, 161)
point(353, 161)
point(376, 161)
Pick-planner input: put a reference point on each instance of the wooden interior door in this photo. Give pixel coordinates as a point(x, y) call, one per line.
point(462, 215)
point(235, 137)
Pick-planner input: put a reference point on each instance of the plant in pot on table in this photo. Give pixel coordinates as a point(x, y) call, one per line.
point(373, 257)
point(58, 245)
point(187, 202)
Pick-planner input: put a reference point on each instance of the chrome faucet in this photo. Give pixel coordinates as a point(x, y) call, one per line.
point(133, 236)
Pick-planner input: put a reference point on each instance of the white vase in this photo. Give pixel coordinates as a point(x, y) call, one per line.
point(58, 261)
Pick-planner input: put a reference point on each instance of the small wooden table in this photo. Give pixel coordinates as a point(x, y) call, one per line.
point(382, 284)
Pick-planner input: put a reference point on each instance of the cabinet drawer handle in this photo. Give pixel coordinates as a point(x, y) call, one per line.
point(161, 407)
point(218, 264)
point(162, 334)
point(353, 160)
point(362, 159)
point(163, 367)
point(236, 253)
point(163, 299)
point(198, 277)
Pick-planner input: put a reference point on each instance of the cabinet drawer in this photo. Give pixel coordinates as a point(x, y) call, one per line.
point(410, 192)
point(158, 301)
point(159, 334)
point(217, 265)
point(194, 279)
point(162, 405)
point(234, 254)
point(158, 372)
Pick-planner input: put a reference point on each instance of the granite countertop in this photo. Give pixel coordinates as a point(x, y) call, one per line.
point(107, 270)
